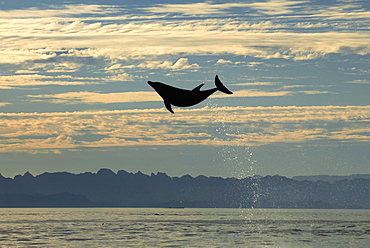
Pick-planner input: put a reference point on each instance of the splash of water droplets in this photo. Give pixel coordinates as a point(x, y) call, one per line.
point(236, 156)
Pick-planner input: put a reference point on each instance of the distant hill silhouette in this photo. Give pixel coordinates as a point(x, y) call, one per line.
point(124, 189)
point(331, 179)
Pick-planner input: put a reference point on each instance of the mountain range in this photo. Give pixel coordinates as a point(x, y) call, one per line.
point(123, 189)
point(331, 179)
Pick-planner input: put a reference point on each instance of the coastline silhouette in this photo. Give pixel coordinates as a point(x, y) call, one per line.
point(185, 98)
point(124, 189)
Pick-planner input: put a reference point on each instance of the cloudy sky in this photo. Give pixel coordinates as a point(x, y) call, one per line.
point(74, 95)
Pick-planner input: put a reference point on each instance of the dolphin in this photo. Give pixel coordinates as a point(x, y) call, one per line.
point(185, 98)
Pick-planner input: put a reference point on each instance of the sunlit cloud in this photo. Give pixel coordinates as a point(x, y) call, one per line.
point(364, 81)
point(343, 12)
point(180, 64)
point(4, 103)
point(16, 55)
point(277, 45)
point(256, 83)
point(224, 61)
point(56, 32)
point(120, 77)
point(194, 8)
point(243, 126)
point(25, 72)
point(113, 67)
point(254, 93)
point(276, 7)
point(148, 96)
point(37, 79)
point(94, 97)
point(307, 25)
point(57, 11)
point(269, 7)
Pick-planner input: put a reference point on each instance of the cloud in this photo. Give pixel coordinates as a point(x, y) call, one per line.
point(183, 63)
point(194, 8)
point(59, 67)
point(120, 77)
point(94, 98)
point(363, 81)
point(148, 96)
point(37, 79)
point(41, 34)
point(271, 7)
point(113, 67)
point(307, 25)
point(223, 61)
point(180, 64)
point(15, 56)
point(57, 11)
point(263, 45)
point(342, 12)
point(246, 126)
point(25, 72)
point(276, 7)
point(254, 93)
point(256, 83)
point(2, 104)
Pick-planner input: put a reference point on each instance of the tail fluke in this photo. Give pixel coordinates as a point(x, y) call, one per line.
point(221, 87)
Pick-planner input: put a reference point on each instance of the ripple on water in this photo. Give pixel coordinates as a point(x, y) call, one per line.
point(188, 228)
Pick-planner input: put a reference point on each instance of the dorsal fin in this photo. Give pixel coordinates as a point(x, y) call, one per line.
point(197, 88)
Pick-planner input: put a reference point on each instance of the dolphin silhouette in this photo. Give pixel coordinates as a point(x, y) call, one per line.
point(185, 98)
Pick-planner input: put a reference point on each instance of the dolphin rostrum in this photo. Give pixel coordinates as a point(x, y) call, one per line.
point(185, 98)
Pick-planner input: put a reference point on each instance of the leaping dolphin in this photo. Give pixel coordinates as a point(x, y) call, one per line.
point(185, 98)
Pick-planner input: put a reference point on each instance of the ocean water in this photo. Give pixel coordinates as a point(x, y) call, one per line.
point(155, 227)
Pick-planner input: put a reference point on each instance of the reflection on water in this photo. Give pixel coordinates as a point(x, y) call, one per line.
point(144, 227)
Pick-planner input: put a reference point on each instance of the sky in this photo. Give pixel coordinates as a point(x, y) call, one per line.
point(74, 92)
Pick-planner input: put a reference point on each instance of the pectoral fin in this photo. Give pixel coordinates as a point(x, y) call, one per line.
point(168, 107)
point(197, 88)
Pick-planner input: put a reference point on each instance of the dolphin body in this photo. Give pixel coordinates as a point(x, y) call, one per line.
point(185, 98)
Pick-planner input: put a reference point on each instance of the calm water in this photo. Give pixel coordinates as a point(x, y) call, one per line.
point(142, 227)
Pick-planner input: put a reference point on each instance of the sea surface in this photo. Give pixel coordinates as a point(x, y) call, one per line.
point(156, 227)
